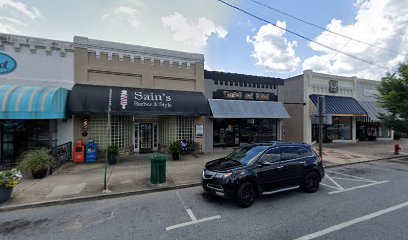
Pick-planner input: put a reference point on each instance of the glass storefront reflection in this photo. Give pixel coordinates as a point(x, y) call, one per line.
point(233, 132)
point(341, 129)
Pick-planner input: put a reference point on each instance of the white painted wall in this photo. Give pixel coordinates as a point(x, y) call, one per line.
point(65, 131)
point(39, 69)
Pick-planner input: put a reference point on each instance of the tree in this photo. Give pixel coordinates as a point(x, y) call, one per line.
point(393, 96)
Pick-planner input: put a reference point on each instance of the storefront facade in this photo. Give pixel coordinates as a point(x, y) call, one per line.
point(244, 108)
point(35, 77)
point(345, 112)
point(370, 128)
point(156, 96)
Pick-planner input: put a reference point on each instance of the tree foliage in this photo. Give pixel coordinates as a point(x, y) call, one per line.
point(393, 95)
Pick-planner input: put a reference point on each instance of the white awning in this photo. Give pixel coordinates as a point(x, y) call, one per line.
point(247, 109)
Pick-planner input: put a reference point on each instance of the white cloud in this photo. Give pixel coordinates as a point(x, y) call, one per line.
point(193, 34)
point(9, 9)
point(22, 8)
point(273, 51)
point(130, 15)
point(379, 22)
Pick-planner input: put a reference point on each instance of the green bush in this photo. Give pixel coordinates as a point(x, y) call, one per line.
point(175, 146)
point(35, 160)
point(113, 150)
point(397, 136)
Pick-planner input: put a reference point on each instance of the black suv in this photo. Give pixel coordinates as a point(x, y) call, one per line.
point(263, 168)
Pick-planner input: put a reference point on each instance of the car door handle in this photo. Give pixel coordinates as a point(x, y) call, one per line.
point(279, 167)
point(303, 162)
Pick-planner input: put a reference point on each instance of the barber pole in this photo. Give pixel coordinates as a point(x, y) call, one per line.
point(123, 98)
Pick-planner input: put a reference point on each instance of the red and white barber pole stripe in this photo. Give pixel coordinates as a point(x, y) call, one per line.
point(123, 98)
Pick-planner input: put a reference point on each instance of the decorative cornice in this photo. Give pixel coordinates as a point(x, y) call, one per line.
point(34, 43)
point(174, 58)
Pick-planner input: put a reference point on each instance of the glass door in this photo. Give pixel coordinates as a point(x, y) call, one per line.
point(146, 138)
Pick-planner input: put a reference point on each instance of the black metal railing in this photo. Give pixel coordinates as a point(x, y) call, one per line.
point(61, 154)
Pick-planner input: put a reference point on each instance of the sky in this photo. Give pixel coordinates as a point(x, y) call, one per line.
point(371, 35)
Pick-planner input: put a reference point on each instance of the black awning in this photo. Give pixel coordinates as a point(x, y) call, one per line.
point(337, 105)
point(92, 99)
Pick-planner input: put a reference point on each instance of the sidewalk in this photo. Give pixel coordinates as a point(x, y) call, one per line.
point(131, 174)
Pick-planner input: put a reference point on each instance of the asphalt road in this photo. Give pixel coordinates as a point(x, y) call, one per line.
point(362, 201)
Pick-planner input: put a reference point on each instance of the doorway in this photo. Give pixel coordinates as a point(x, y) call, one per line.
point(146, 138)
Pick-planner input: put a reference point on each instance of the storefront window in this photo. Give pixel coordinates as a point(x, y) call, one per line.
point(232, 132)
point(384, 132)
point(121, 130)
point(341, 129)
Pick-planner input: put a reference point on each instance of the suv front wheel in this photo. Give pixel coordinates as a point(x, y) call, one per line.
point(246, 195)
point(311, 182)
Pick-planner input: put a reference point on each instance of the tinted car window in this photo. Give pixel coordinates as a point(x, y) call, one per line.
point(303, 152)
point(272, 155)
point(289, 153)
point(246, 155)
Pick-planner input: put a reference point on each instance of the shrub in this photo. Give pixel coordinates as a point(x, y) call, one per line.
point(35, 160)
point(113, 150)
point(175, 146)
point(397, 136)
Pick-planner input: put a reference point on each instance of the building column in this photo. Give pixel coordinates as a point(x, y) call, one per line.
point(354, 129)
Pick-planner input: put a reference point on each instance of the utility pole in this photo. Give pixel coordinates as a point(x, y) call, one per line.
point(322, 109)
point(109, 140)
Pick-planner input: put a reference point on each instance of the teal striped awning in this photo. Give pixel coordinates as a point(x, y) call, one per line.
point(29, 102)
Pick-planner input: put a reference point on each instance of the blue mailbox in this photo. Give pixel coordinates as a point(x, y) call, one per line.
point(91, 151)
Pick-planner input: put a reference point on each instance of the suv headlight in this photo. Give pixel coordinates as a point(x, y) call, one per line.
point(222, 175)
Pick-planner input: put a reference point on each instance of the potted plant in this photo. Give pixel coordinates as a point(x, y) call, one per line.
point(175, 149)
point(113, 150)
point(37, 162)
point(8, 180)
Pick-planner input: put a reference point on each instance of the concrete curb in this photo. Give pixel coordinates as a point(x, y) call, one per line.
point(94, 197)
point(139, 192)
point(366, 161)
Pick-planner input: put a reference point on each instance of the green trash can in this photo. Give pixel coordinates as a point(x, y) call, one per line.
point(158, 168)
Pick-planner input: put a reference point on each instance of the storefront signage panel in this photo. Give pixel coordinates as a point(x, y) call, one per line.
point(333, 86)
point(89, 99)
point(244, 95)
point(199, 130)
point(7, 63)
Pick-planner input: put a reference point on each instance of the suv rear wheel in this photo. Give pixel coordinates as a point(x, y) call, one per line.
point(311, 182)
point(246, 195)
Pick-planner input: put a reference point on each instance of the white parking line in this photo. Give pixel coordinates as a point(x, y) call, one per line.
point(192, 222)
point(348, 175)
point(190, 213)
point(352, 222)
point(351, 179)
point(335, 183)
point(329, 186)
point(357, 187)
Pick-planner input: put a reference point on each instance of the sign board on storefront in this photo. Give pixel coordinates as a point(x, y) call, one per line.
point(333, 86)
point(244, 95)
point(7, 63)
point(199, 130)
point(88, 99)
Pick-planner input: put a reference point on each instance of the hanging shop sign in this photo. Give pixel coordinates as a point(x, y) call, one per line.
point(244, 95)
point(7, 64)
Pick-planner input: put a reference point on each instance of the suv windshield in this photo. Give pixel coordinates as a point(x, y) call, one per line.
point(247, 154)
